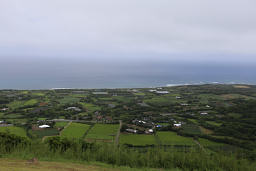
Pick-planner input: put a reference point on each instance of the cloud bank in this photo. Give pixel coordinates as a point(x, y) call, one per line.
point(137, 29)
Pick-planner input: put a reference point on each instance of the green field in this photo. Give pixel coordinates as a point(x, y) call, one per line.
point(103, 131)
point(14, 130)
point(75, 130)
point(15, 104)
point(31, 102)
point(90, 107)
point(137, 140)
point(171, 138)
point(38, 94)
point(60, 124)
point(12, 116)
point(191, 129)
point(160, 101)
point(68, 100)
point(214, 123)
point(44, 132)
point(206, 142)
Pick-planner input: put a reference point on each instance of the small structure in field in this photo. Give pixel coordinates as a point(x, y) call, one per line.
point(162, 92)
point(74, 109)
point(177, 125)
point(44, 126)
point(131, 130)
point(4, 109)
point(100, 93)
point(203, 113)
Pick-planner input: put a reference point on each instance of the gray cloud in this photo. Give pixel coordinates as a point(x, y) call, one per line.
point(147, 28)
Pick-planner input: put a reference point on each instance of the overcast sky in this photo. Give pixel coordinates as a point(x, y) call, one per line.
point(213, 30)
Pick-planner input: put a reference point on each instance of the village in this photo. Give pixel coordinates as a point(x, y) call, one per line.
point(122, 116)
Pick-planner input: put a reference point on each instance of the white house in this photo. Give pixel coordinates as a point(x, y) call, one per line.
point(151, 131)
point(177, 125)
point(204, 113)
point(4, 109)
point(73, 108)
point(132, 130)
point(44, 126)
point(162, 92)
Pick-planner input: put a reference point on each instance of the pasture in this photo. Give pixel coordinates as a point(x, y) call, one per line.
point(68, 100)
point(44, 132)
point(137, 139)
point(75, 130)
point(18, 104)
point(14, 130)
point(171, 138)
point(191, 129)
point(102, 132)
point(60, 124)
point(31, 102)
point(160, 101)
point(90, 107)
point(214, 123)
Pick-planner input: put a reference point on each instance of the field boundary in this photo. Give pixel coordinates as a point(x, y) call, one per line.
point(118, 133)
point(88, 130)
point(65, 127)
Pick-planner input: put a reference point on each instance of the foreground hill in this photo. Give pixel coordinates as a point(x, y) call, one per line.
point(25, 165)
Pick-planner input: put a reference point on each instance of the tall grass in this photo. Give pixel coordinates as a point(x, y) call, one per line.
point(73, 150)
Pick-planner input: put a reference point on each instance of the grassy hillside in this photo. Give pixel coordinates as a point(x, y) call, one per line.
point(25, 165)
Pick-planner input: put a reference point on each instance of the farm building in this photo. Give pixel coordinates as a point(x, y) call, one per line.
point(44, 126)
point(4, 109)
point(132, 130)
point(162, 92)
point(177, 125)
point(100, 93)
point(74, 109)
point(204, 113)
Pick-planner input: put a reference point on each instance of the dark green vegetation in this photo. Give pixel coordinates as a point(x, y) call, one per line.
point(189, 127)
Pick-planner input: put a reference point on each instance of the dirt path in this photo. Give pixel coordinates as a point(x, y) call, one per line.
point(199, 145)
point(59, 133)
point(65, 127)
point(23, 165)
point(118, 133)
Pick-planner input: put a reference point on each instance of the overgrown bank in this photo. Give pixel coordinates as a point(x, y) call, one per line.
point(56, 148)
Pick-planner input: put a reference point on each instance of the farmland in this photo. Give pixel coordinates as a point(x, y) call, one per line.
point(216, 118)
point(137, 140)
point(171, 138)
point(14, 130)
point(75, 130)
point(103, 132)
point(60, 124)
point(45, 132)
point(90, 107)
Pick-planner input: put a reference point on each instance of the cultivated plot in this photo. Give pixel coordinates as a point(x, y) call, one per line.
point(137, 140)
point(171, 138)
point(75, 130)
point(105, 132)
point(14, 130)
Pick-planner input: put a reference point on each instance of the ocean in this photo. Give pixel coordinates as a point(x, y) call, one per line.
point(57, 73)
